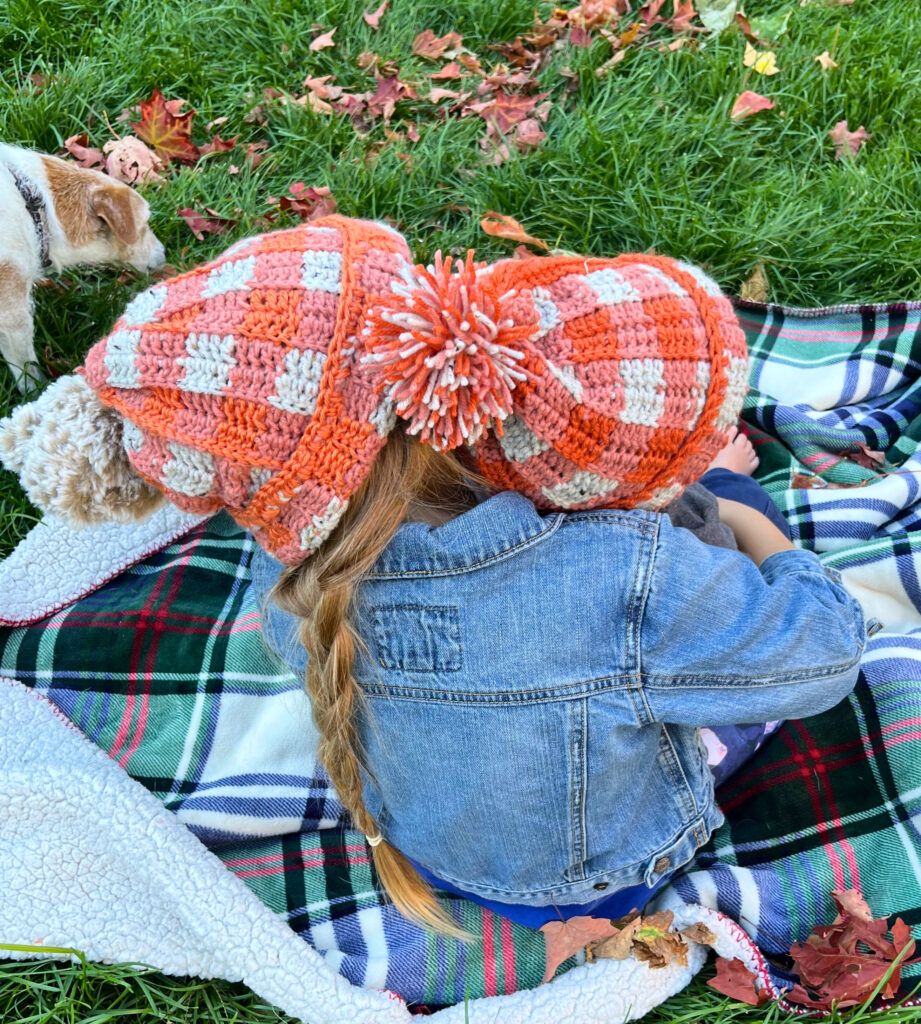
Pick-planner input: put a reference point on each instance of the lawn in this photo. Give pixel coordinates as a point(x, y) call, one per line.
point(625, 153)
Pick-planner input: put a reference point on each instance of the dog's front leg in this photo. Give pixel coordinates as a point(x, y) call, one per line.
point(16, 328)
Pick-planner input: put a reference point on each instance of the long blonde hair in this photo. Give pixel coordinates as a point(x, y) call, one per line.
point(405, 475)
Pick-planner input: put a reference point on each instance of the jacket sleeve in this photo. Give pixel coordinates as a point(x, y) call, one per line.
point(725, 642)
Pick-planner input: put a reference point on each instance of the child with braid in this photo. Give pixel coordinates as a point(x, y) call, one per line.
point(456, 477)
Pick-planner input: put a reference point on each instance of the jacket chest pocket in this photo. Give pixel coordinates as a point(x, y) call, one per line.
point(417, 638)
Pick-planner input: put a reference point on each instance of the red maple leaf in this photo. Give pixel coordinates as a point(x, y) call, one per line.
point(431, 47)
point(308, 203)
point(169, 132)
point(201, 225)
point(218, 145)
point(842, 964)
point(735, 980)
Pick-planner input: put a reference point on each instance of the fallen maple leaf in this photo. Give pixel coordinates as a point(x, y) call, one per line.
point(200, 225)
point(130, 161)
point(452, 70)
point(596, 13)
point(218, 145)
point(374, 18)
point(866, 457)
point(86, 155)
point(431, 47)
point(749, 103)
point(807, 482)
point(848, 143)
point(308, 203)
point(764, 62)
point(735, 980)
point(825, 60)
point(501, 226)
point(323, 41)
point(322, 88)
point(169, 132)
point(683, 15)
point(255, 153)
point(843, 963)
point(437, 95)
point(565, 938)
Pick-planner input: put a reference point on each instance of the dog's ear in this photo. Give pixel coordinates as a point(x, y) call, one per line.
point(66, 448)
point(118, 207)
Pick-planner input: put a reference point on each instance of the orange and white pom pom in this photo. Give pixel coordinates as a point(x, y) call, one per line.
point(444, 353)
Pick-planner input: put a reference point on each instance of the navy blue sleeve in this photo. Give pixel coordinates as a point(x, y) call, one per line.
point(725, 642)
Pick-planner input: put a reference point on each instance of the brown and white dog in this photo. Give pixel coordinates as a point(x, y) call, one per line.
point(54, 214)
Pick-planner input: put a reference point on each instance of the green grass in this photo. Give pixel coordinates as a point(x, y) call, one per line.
point(644, 157)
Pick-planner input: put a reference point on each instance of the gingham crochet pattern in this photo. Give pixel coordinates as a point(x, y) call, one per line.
point(637, 368)
point(240, 382)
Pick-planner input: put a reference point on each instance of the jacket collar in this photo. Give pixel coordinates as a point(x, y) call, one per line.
point(35, 205)
point(499, 526)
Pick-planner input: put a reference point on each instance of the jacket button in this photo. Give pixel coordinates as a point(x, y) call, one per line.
point(600, 886)
point(662, 864)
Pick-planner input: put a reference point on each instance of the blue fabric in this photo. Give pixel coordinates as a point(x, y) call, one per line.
point(725, 484)
point(617, 904)
point(534, 686)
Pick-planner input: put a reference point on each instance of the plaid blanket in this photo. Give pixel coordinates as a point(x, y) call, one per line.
point(165, 669)
point(834, 801)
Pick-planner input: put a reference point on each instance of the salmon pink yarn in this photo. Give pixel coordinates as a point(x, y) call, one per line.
point(241, 384)
point(266, 381)
point(577, 382)
point(446, 353)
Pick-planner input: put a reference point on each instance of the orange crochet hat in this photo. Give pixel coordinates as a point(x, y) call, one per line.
point(266, 381)
point(241, 386)
point(577, 382)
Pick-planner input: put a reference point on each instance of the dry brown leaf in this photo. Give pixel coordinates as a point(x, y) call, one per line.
point(130, 161)
point(86, 155)
point(656, 944)
point(373, 19)
point(610, 63)
point(431, 47)
point(756, 287)
point(847, 143)
point(699, 933)
point(565, 938)
point(323, 41)
point(502, 226)
point(735, 980)
point(452, 70)
point(620, 945)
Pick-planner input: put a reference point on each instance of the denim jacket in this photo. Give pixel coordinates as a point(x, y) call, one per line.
point(534, 686)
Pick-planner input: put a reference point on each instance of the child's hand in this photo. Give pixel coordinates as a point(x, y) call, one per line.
point(755, 534)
